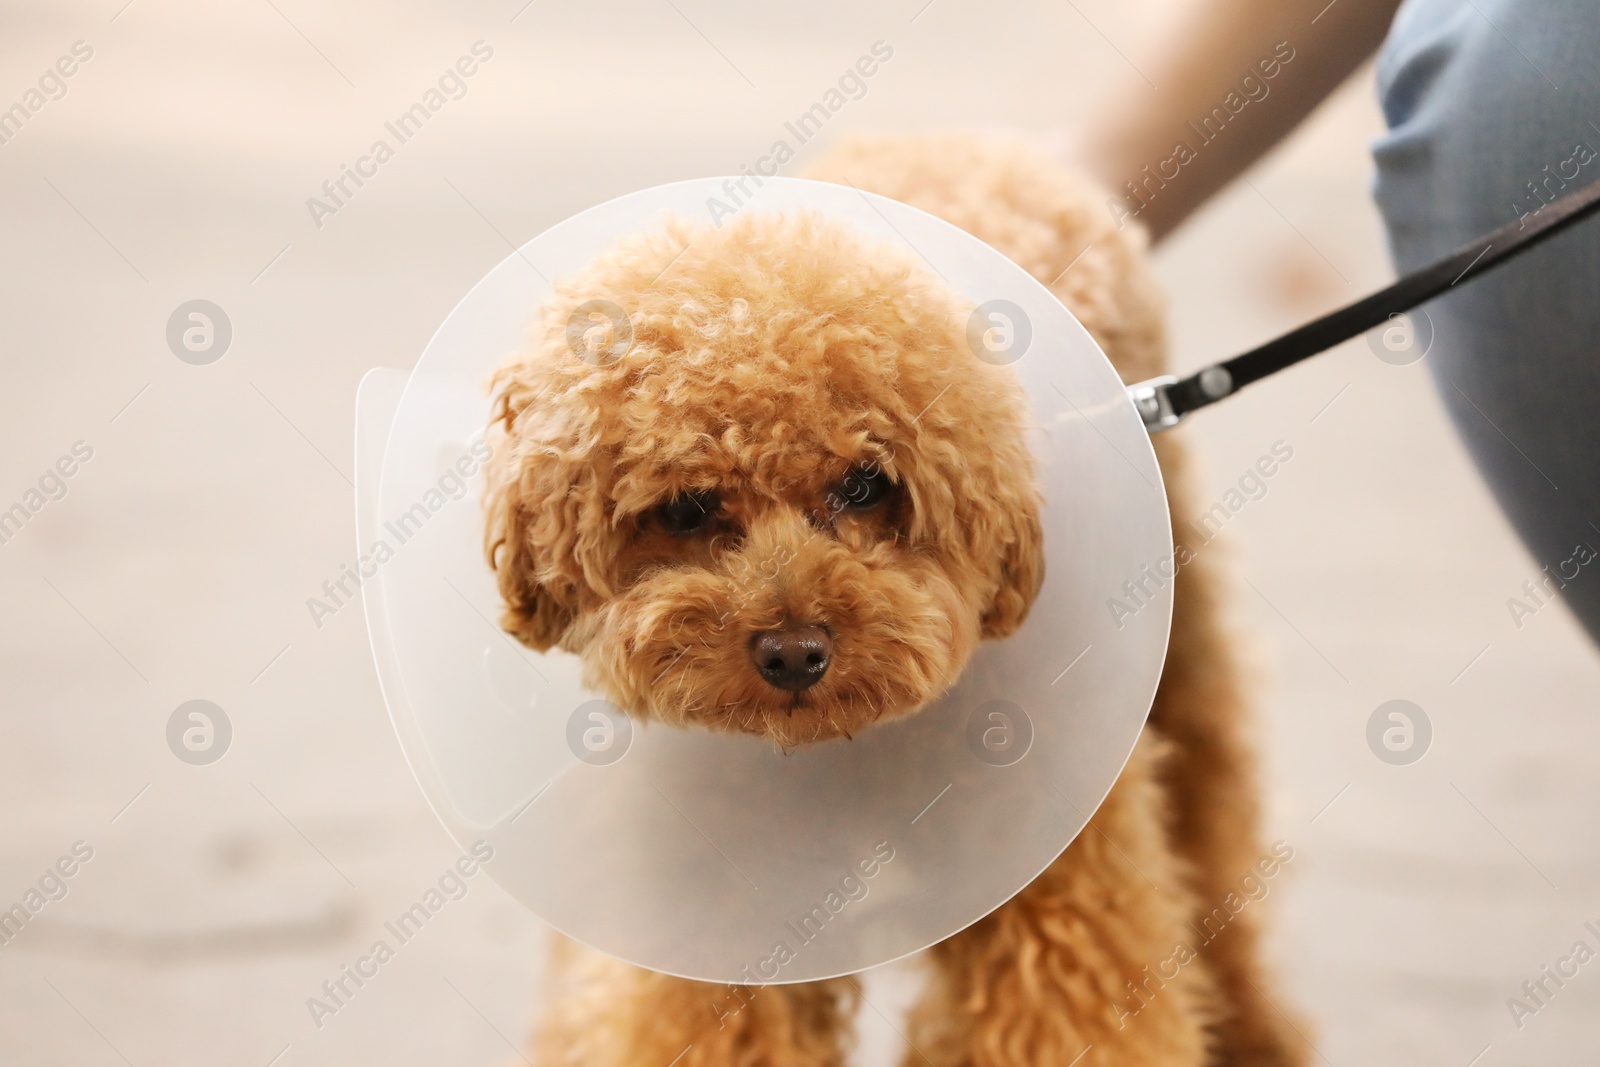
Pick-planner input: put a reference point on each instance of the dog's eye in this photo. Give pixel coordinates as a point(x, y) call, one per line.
point(687, 513)
point(863, 488)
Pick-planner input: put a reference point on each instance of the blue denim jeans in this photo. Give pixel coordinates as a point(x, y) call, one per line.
point(1493, 108)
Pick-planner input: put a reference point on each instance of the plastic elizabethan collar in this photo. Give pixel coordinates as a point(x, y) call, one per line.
point(717, 857)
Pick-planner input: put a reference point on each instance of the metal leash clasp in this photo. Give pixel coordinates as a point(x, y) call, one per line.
point(1154, 404)
point(1154, 399)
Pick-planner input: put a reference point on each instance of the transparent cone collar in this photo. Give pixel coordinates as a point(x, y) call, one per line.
point(717, 857)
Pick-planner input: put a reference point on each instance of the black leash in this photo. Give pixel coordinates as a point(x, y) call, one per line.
point(1163, 402)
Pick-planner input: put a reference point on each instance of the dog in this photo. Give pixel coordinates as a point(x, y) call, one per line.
point(779, 494)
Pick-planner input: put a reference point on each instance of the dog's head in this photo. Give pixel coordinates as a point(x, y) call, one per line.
point(757, 478)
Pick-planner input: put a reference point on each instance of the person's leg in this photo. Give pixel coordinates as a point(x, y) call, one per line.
point(1494, 109)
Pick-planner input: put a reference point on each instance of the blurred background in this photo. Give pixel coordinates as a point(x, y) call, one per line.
point(217, 499)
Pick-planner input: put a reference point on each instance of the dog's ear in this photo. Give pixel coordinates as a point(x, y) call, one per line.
point(1021, 566)
point(523, 485)
point(532, 614)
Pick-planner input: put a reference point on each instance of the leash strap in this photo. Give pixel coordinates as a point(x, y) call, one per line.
point(1163, 402)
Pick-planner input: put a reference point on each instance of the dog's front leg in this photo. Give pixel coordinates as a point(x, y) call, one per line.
point(1087, 966)
point(605, 1013)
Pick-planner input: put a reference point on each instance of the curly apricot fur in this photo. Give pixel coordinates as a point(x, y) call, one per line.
point(769, 358)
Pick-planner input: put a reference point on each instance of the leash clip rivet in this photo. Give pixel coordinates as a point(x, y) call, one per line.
point(1216, 382)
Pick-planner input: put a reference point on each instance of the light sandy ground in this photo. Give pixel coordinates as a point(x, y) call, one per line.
point(217, 500)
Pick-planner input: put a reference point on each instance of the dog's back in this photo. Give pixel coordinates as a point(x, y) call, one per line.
point(1048, 219)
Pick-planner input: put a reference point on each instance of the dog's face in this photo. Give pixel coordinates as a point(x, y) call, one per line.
point(790, 504)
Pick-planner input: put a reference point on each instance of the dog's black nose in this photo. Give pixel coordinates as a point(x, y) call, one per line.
point(793, 658)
